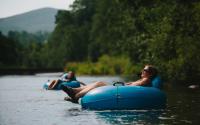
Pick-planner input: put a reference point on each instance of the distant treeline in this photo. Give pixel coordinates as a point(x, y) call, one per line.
point(22, 50)
point(165, 33)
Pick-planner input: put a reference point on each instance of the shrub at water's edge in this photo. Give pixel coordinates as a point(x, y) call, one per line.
point(106, 65)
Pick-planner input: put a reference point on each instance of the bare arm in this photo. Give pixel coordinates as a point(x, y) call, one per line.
point(139, 82)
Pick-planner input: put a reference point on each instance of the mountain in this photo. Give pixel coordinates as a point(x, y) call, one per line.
point(37, 20)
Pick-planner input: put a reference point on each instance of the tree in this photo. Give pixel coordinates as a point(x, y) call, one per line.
point(8, 51)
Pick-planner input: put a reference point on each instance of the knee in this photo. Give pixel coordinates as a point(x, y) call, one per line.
point(100, 83)
point(79, 95)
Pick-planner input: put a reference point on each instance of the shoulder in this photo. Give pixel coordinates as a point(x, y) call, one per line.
point(145, 81)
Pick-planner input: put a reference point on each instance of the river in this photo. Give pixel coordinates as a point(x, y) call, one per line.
point(23, 101)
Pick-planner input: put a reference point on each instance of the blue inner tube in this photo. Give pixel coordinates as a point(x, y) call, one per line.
point(124, 97)
point(73, 84)
point(120, 97)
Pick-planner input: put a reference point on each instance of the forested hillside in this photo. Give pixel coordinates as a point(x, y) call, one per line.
point(37, 20)
point(162, 33)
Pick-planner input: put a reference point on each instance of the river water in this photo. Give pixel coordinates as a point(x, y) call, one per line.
point(23, 101)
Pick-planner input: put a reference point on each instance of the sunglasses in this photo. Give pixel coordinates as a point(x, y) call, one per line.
point(146, 70)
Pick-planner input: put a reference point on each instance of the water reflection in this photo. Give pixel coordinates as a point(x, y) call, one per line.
point(73, 112)
point(183, 105)
point(131, 116)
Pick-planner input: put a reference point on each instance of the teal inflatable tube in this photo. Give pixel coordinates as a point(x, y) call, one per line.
point(124, 97)
point(73, 84)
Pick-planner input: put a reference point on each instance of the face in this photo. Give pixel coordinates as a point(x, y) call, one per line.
point(145, 72)
point(70, 74)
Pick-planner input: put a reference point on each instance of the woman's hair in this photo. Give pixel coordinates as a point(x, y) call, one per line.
point(152, 70)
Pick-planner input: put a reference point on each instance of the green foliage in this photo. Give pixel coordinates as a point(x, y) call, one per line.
point(91, 37)
point(176, 50)
point(23, 50)
point(106, 65)
point(8, 51)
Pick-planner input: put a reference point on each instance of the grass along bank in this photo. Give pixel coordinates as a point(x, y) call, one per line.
point(106, 65)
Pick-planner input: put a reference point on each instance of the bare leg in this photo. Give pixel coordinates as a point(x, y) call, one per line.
point(76, 93)
point(55, 84)
point(77, 90)
point(52, 84)
point(87, 88)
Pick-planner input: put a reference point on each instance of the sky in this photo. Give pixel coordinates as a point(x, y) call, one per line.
point(13, 7)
